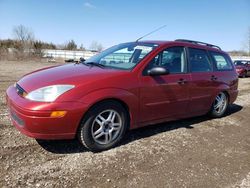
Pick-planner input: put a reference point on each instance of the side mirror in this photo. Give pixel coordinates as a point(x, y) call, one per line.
point(157, 71)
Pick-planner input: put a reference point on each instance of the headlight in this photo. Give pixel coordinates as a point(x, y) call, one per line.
point(49, 93)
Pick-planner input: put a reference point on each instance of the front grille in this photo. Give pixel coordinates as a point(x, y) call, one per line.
point(15, 117)
point(20, 91)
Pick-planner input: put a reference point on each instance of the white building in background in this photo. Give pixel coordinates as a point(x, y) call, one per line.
point(76, 55)
point(234, 58)
point(68, 54)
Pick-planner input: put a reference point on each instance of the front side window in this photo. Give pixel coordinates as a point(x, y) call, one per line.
point(221, 62)
point(173, 59)
point(199, 60)
point(124, 56)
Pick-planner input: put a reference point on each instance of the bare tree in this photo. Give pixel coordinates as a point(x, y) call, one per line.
point(82, 47)
point(26, 37)
point(38, 48)
point(96, 46)
point(71, 45)
point(246, 42)
point(23, 33)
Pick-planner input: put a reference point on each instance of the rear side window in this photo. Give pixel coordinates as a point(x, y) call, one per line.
point(199, 60)
point(221, 62)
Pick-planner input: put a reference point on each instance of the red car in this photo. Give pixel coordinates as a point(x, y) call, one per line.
point(242, 68)
point(124, 87)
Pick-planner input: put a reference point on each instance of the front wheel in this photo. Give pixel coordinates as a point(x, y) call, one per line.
point(219, 106)
point(104, 126)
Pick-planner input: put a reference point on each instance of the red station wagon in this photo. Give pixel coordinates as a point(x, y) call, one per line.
point(242, 68)
point(127, 86)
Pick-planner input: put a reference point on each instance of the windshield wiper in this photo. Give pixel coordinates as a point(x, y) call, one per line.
point(94, 64)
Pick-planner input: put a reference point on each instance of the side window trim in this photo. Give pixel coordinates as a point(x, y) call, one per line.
point(188, 59)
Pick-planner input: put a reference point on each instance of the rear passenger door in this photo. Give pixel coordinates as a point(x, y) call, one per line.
point(204, 82)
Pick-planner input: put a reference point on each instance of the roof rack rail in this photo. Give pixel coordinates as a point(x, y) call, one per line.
point(198, 42)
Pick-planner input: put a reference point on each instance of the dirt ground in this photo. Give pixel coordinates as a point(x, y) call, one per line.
point(196, 152)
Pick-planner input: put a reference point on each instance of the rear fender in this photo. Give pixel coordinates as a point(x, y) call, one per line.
point(222, 87)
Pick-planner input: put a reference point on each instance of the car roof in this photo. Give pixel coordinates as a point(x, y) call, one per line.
point(183, 42)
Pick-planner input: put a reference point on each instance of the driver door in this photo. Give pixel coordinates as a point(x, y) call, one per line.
point(166, 96)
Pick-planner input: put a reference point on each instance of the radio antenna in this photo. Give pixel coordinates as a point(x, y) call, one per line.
point(151, 32)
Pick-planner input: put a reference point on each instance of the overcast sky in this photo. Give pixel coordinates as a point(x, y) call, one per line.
point(221, 22)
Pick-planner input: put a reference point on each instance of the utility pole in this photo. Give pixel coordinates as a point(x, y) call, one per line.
point(249, 41)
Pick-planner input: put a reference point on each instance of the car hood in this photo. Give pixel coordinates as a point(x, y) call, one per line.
point(75, 74)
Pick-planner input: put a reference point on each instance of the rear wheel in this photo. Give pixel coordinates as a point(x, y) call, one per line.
point(104, 126)
point(220, 105)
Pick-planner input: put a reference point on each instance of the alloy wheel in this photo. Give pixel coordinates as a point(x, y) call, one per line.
point(220, 103)
point(106, 127)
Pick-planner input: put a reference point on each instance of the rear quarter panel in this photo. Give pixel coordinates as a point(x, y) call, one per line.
point(227, 81)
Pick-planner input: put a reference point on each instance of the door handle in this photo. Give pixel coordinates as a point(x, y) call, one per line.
point(213, 78)
point(182, 81)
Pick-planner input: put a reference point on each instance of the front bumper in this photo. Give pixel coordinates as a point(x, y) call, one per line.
point(240, 72)
point(33, 118)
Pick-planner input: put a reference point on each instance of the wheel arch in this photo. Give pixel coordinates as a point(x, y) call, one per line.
point(127, 99)
point(227, 94)
point(121, 102)
point(83, 130)
point(222, 88)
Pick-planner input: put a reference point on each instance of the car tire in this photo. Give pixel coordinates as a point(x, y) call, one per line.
point(220, 105)
point(104, 126)
point(244, 74)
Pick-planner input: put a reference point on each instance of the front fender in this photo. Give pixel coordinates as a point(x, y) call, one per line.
point(129, 98)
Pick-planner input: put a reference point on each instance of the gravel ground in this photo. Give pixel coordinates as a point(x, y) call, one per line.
point(196, 152)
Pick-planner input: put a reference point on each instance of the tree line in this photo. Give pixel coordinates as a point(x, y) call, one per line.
point(24, 43)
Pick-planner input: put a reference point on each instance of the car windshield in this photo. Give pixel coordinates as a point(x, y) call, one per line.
point(123, 56)
point(240, 62)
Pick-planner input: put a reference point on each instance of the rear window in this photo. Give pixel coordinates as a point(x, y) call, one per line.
point(222, 62)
